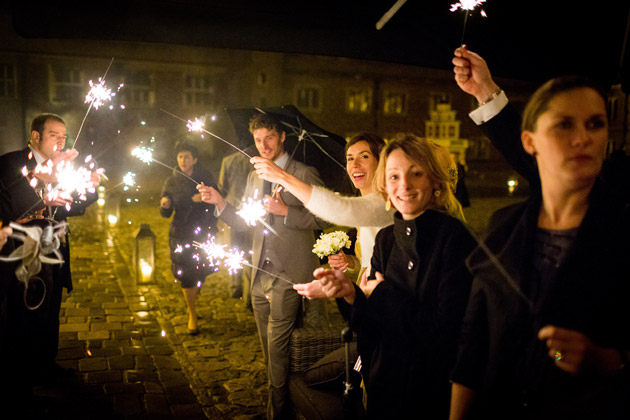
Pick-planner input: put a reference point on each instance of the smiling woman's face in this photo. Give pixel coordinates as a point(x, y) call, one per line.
point(361, 165)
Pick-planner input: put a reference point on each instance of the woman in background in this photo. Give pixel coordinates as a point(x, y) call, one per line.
point(193, 221)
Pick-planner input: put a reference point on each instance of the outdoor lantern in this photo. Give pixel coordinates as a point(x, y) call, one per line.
point(112, 209)
point(144, 255)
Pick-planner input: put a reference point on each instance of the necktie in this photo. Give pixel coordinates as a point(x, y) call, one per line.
point(266, 188)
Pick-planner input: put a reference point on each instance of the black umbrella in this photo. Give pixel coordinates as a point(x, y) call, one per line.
point(305, 142)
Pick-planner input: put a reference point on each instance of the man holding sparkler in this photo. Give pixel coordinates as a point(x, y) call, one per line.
point(36, 328)
point(279, 260)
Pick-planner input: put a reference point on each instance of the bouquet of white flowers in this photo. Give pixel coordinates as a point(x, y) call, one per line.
point(331, 243)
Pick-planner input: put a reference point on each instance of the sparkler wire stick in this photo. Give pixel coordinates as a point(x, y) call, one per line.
point(207, 132)
point(464, 28)
point(76, 139)
point(146, 155)
point(388, 15)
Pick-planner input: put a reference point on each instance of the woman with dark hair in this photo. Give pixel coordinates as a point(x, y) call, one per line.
point(407, 316)
point(193, 221)
point(547, 329)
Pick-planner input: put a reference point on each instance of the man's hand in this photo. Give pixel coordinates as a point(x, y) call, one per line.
point(56, 200)
point(211, 196)
point(275, 205)
point(165, 203)
point(473, 75)
point(5, 232)
point(312, 290)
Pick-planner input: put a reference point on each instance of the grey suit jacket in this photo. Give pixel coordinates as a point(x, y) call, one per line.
point(291, 250)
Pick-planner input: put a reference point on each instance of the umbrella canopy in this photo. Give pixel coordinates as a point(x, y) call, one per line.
point(305, 141)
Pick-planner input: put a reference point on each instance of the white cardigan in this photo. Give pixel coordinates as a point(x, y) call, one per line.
point(366, 212)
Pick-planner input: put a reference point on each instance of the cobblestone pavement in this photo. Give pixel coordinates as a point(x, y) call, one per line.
point(129, 344)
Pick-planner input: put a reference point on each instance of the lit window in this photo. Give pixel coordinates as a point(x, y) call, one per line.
point(7, 80)
point(138, 89)
point(198, 90)
point(308, 98)
point(359, 100)
point(66, 85)
point(394, 103)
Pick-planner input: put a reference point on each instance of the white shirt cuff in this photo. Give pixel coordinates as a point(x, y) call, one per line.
point(489, 110)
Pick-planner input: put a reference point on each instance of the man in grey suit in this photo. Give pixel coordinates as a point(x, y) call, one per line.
point(279, 259)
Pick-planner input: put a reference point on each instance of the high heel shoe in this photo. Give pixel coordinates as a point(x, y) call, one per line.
point(193, 331)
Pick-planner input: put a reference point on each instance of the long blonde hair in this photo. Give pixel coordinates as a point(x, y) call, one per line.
point(438, 163)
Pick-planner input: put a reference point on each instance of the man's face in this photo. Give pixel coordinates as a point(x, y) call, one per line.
point(52, 139)
point(269, 143)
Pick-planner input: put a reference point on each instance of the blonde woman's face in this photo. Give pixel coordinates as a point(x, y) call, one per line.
point(408, 185)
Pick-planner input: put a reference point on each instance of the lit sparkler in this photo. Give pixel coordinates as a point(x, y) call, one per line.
point(252, 210)
point(145, 154)
point(467, 6)
point(128, 180)
point(98, 94)
point(197, 125)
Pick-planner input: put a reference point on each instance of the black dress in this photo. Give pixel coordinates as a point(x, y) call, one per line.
point(191, 222)
point(408, 328)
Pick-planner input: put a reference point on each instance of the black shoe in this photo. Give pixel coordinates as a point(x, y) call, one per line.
point(194, 331)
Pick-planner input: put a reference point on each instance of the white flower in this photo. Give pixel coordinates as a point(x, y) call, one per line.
point(331, 243)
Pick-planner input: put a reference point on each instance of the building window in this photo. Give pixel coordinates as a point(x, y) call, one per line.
point(358, 100)
point(308, 98)
point(138, 89)
point(7, 81)
point(66, 85)
point(437, 98)
point(394, 103)
point(198, 90)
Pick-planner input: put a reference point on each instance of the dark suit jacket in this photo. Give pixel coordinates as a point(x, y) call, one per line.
point(11, 165)
point(292, 247)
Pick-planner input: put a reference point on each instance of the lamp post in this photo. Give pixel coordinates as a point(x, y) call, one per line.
point(144, 255)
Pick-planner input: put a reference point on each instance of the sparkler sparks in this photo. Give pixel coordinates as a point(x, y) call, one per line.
point(145, 154)
point(99, 93)
point(196, 125)
point(252, 210)
point(467, 6)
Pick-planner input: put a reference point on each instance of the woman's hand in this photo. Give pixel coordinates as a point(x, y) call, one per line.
point(340, 261)
point(266, 169)
point(165, 203)
point(575, 353)
point(368, 286)
point(335, 284)
point(312, 290)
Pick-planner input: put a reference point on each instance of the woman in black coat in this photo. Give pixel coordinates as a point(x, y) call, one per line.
point(407, 316)
point(193, 221)
point(547, 330)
